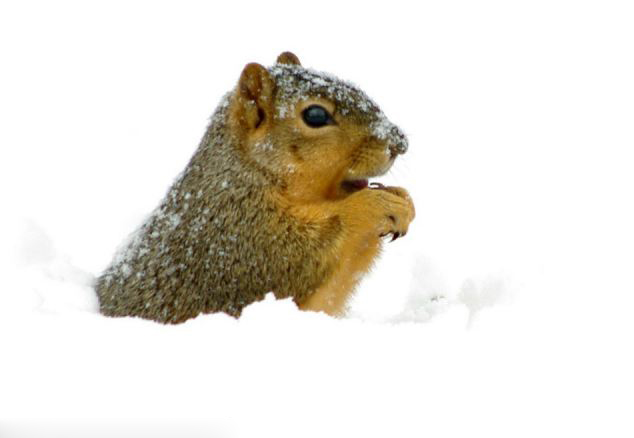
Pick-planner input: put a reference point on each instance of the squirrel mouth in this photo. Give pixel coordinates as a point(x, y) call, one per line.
point(354, 185)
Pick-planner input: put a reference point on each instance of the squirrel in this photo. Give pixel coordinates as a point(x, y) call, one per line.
point(275, 199)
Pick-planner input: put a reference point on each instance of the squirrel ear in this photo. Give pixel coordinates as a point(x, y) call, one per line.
point(253, 104)
point(288, 58)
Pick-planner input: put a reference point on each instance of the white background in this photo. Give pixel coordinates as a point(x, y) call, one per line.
point(520, 117)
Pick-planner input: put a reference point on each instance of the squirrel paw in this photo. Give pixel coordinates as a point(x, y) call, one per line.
point(390, 209)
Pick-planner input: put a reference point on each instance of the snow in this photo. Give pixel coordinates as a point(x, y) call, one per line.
point(505, 311)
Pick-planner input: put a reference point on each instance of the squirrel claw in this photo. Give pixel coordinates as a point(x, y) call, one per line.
point(395, 236)
point(376, 185)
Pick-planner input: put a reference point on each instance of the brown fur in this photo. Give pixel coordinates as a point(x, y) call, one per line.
point(262, 207)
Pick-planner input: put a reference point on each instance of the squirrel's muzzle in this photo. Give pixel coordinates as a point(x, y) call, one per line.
point(389, 133)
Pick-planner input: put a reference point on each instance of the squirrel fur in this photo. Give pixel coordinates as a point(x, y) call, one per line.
point(267, 203)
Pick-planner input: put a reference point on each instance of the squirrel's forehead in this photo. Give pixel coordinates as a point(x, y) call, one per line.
point(296, 83)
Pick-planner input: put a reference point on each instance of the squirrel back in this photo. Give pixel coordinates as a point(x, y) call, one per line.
point(264, 203)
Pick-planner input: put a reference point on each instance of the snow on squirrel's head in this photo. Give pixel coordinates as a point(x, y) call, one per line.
point(323, 137)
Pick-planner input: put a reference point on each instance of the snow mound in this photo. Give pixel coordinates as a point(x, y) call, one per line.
point(42, 279)
point(45, 281)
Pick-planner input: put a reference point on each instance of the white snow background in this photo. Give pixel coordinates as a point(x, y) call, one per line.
point(505, 312)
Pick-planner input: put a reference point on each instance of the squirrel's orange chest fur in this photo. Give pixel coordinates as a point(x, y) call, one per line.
point(276, 198)
point(354, 258)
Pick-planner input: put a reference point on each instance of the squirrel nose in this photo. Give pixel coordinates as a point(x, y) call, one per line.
point(398, 142)
point(391, 136)
point(398, 148)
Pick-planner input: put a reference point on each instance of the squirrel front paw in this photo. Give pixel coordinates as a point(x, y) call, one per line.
point(384, 210)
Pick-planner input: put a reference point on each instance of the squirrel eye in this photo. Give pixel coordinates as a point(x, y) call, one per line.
point(316, 116)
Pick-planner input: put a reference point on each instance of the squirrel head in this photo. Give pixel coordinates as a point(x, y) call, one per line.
point(320, 136)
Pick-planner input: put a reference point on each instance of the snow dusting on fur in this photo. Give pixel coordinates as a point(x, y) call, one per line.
point(296, 83)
